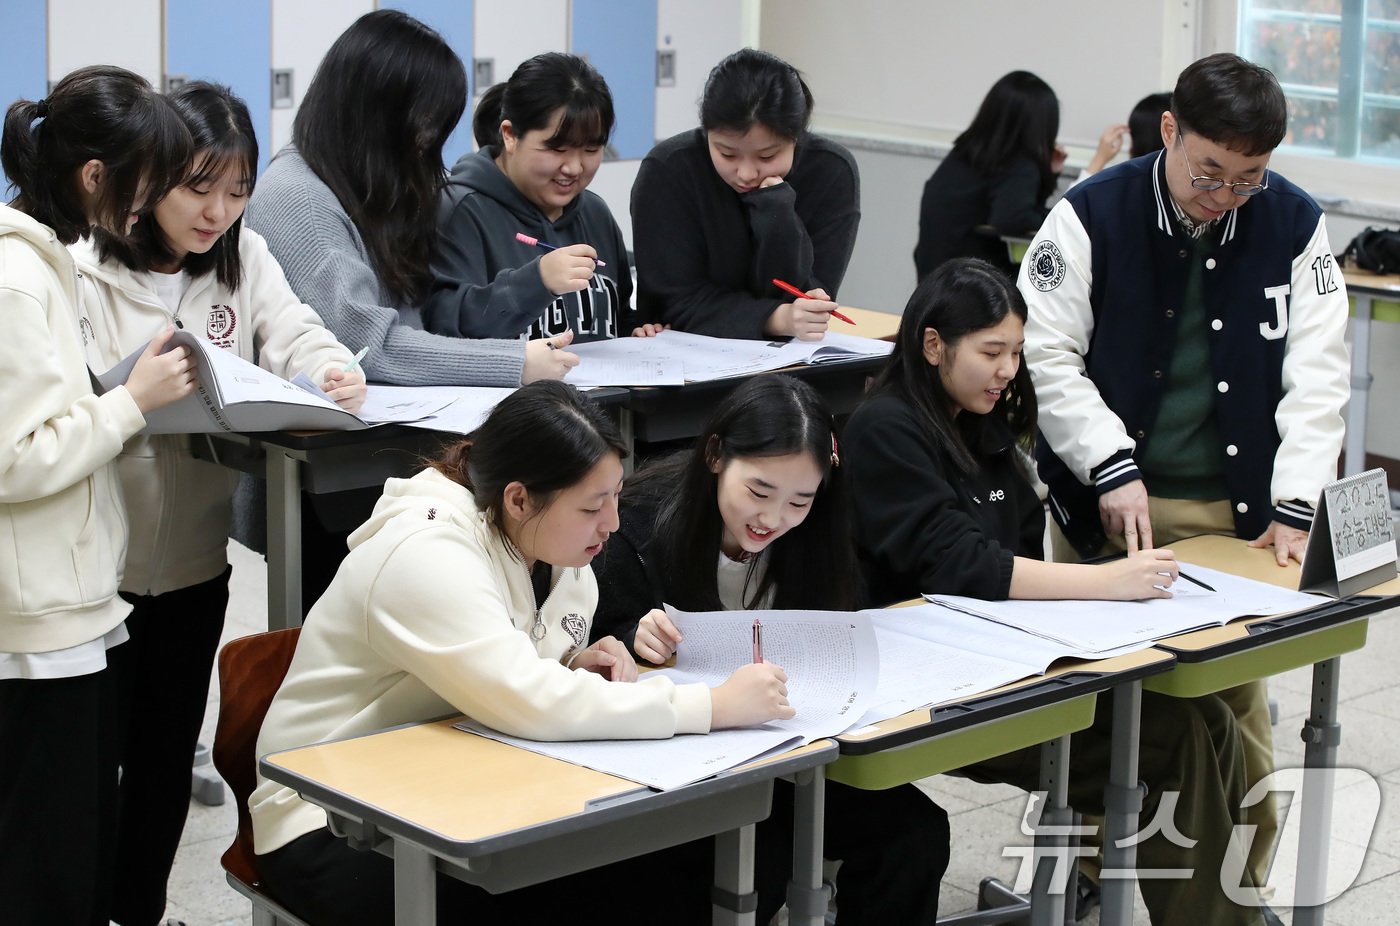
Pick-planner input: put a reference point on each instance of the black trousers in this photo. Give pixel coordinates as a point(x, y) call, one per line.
point(58, 784)
point(174, 638)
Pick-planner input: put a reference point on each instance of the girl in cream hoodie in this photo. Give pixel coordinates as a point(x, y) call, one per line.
point(87, 156)
point(188, 263)
point(469, 589)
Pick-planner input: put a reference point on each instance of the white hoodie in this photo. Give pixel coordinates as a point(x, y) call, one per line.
point(431, 613)
point(179, 507)
point(62, 529)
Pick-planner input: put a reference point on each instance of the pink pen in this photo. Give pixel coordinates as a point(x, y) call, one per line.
point(537, 243)
point(757, 640)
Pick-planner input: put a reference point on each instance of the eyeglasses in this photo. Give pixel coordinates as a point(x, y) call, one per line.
point(1239, 188)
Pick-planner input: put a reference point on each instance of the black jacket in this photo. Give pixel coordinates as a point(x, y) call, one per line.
point(958, 199)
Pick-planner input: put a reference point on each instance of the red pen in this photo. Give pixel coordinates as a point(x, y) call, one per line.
point(789, 288)
point(757, 640)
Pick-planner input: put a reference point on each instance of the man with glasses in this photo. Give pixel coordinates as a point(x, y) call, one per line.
point(1186, 344)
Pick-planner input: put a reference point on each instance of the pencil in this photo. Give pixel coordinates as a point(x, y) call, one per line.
point(535, 242)
point(757, 640)
point(789, 288)
point(1194, 581)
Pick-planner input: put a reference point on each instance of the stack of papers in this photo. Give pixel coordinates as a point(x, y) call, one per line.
point(672, 358)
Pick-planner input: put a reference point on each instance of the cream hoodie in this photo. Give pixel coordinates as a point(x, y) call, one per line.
point(62, 529)
point(430, 614)
point(179, 507)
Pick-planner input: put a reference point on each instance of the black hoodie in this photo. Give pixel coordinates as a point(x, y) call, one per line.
point(487, 285)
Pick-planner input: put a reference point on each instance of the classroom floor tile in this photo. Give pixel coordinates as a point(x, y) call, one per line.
point(984, 818)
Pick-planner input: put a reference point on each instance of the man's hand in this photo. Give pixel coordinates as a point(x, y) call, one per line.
point(1288, 542)
point(1124, 514)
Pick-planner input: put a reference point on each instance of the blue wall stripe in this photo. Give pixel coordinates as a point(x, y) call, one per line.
point(455, 21)
point(24, 64)
point(619, 39)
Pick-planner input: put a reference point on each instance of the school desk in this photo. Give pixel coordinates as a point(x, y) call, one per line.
point(1041, 710)
point(1373, 297)
point(436, 799)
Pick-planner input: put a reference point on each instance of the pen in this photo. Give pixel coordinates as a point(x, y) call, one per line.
point(1194, 581)
point(757, 640)
point(789, 288)
point(535, 242)
point(355, 360)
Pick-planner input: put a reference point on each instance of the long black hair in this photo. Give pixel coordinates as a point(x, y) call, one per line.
point(812, 565)
point(102, 113)
point(1019, 117)
point(538, 87)
point(959, 297)
point(753, 87)
point(1145, 123)
point(546, 436)
point(223, 137)
point(372, 126)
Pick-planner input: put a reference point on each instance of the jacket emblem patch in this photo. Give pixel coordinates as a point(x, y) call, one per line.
point(576, 627)
point(432, 514)
point(1047, 266)
point(222, 321)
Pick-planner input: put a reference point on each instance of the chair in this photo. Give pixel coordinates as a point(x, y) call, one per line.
point(250, 671)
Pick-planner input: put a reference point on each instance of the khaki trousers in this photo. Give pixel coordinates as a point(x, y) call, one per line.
point(1175, 519)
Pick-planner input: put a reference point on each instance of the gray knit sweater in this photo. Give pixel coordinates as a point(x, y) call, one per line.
point(325, 260)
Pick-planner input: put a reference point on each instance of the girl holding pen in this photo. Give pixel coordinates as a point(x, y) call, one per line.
point(754, 516)
point(188, 263)
point(94, 154)
point(943, 505)
point(469, 589)
point(524, 246)
point(720, 212)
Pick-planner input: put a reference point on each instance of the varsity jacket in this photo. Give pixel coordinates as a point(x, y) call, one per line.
point(487, 285)
point(179, 507)
point(1103, 279)
point(431, 613)
point(922, 525)
point(707, 255)
point(62, 528)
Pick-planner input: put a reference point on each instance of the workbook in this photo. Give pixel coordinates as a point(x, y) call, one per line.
point(235, 395)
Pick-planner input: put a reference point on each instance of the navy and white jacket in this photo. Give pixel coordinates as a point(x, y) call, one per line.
point(1103, 280)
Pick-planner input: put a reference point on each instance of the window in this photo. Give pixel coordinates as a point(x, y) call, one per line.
point(1339, 64)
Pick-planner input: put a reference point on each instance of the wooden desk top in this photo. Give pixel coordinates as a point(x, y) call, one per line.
point(1376, 283)
point(869, 323)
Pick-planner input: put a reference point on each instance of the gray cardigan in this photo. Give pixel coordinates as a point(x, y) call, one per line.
point(326, 262)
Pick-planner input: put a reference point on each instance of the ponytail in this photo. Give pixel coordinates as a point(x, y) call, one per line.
point(486, 119)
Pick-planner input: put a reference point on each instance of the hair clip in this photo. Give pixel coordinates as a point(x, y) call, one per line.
point(835, 451)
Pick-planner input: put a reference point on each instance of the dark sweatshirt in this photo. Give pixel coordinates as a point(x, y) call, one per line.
point(487, 285)
point(924, 527)
point(958, 199)
point(707, 255)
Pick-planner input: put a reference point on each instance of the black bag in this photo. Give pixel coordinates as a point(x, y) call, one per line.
point(1375, 249)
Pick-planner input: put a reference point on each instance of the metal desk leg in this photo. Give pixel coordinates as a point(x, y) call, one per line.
point(734, 899)
point(1048, 887)
point(1360, 386)
point(1122, 804)
point(806, 896)
point(415, 886)
point(283, 540)
point(1322, 734)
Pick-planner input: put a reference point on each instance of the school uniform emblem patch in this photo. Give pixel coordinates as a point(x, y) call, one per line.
point(221, 323)
point(1047, 266)
point(576, 627)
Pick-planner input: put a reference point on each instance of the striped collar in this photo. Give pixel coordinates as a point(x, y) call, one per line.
point(1170, 217)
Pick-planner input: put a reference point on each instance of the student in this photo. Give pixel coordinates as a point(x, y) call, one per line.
point(1143, 131)
point(93, 154)
point(188, 263)
point(754, 517)
point(942, 506)
point(719, 212)
point(996, 179)
point(349, 208)
point(541, 136)
point(469, 589)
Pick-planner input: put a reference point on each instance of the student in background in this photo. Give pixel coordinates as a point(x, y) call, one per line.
point(997, 178)
point(942, 506)
point(720, 211)
point(469, 590)
point(93, 154)
point(755, 516)
point(1143, 131)
point(188, 263)
point(541, 136)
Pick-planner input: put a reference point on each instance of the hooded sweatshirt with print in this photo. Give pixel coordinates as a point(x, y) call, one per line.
point(431, 613)
point(62, 528)
point(179, 507)
point(486, 284)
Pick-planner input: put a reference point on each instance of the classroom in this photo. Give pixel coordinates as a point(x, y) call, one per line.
point(891, 86)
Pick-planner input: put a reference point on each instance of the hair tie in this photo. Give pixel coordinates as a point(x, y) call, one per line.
point(41, 109)
point(835, 451)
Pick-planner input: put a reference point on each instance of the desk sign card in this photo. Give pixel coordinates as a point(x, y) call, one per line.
point(1352, 543)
